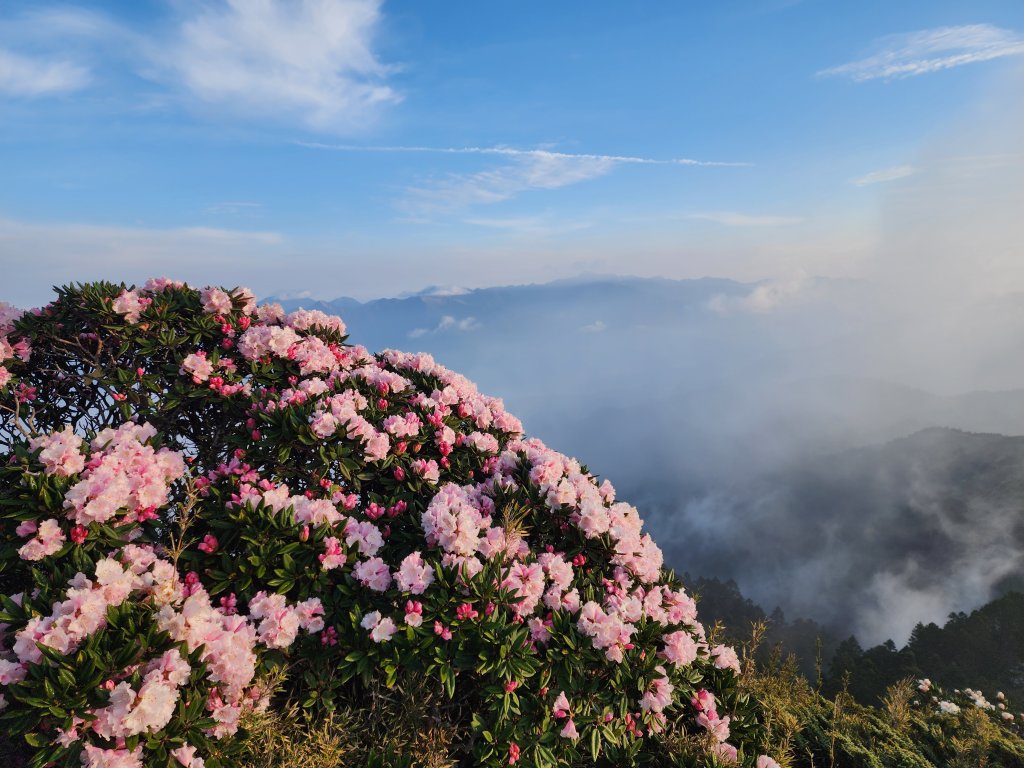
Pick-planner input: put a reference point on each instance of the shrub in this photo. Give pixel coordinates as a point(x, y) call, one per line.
point(210, 509)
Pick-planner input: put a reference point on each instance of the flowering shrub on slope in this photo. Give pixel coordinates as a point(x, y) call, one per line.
point(953, 702)
point(201, 498)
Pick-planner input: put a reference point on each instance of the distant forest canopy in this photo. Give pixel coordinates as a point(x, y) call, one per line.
point(983, 649)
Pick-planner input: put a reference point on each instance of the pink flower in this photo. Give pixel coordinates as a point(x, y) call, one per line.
point(60, 452)
point(209, 544)
point(97, 757)
point(129, 304)
point(680, 648)
point(364, 535)
point(513, 753)
point(560, 708)
point(442, 631)
point(323, 423)
point(373, 573)
point(764, 761)
point(658, 696)
point(703, 701)
point(719, 728)
point(381, 629)
point(315, 511)
point(215, 301)
point(726, 752)
point(413, 613)
point(725, 658)
point(414, 576)
point(427, 469)
point(453, 520)
point(123, 473)
point(569, 730)
point(333, 556)
point(186, 755)
point(594, 519)
point(48, 540)
point(197, 366)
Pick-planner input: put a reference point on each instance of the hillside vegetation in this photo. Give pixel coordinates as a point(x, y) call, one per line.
point(229, 538)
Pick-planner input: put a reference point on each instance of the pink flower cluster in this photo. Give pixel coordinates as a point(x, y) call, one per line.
point(455, 518)
point(707, 715)
point(47, 540)
point(71, 621)
point(381, 629)
point(148, 709)
point(131, 304)
point(280, 623)
point(414, 575)
point(123, 473)
point(60, 452)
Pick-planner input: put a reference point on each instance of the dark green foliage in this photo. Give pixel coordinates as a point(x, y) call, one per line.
point(982, 650)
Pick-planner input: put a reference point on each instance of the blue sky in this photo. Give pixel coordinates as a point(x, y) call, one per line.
point(367, 148)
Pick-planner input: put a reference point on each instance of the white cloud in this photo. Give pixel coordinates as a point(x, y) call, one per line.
point(28, 76)
point(595, 327)
point(312, 59)
point(886, 174)
point(735, 219)
point(931, 50)
point(766, 297)
point(445, 290)
point(447, 323)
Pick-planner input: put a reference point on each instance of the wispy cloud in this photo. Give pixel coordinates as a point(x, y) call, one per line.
point(883, 175)
point(529, 225)
point(535, 154)
point(447, 323)
point(32, 76)
point(234, 208)
point(735, 219)
point(931, 50)
point(527, 169)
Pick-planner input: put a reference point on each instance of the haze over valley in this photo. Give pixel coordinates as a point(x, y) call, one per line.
point(748, 423)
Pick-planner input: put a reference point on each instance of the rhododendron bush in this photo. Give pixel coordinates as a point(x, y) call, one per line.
point(208, 507)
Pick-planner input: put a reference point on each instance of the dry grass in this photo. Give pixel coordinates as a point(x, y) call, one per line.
point(402, 726)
